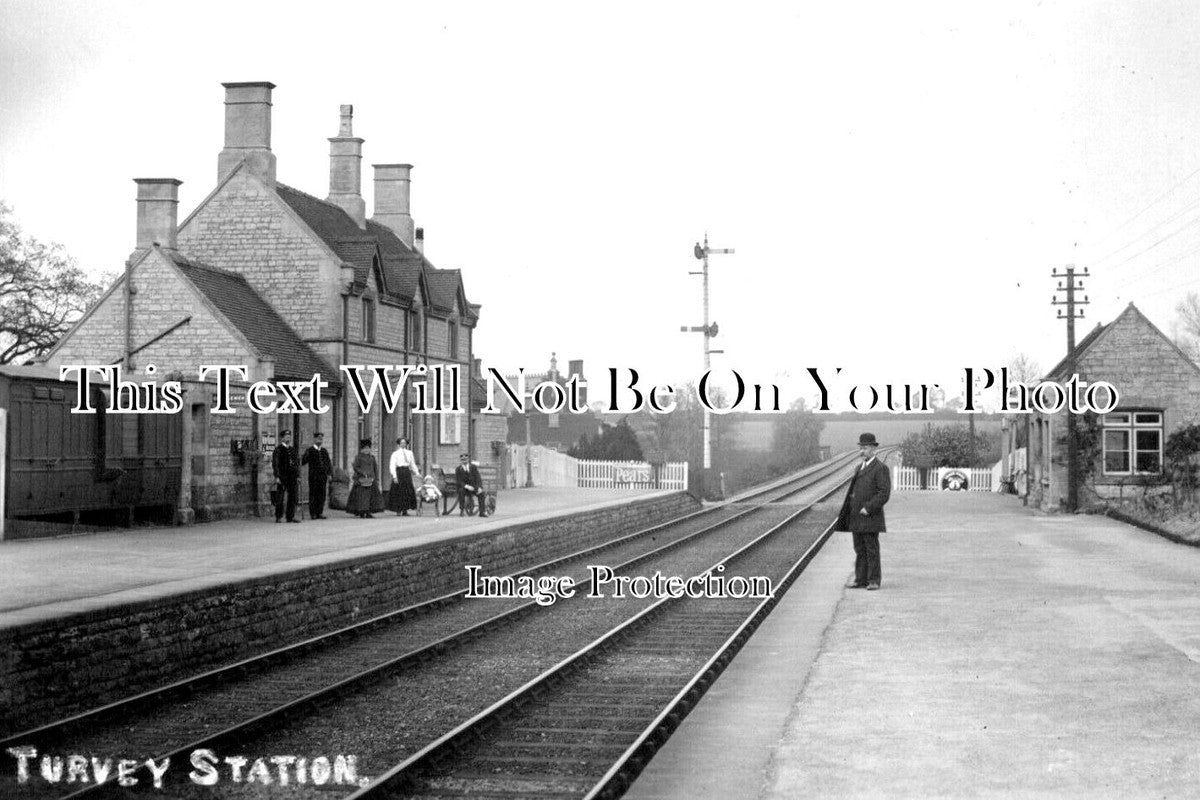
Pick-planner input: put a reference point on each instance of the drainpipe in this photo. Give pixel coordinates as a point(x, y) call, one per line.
point(345, 395)
point(128, 316)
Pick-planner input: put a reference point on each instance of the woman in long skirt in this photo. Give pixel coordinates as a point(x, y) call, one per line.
point(366, 482)
point(402, 498)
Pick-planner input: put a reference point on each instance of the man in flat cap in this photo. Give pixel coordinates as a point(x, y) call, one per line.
point(862, 513)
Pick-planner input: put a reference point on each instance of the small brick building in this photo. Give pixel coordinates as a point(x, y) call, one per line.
point(266, 275)
point(1159, 391)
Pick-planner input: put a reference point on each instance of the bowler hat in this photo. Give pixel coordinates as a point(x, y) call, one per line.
point(867, 438)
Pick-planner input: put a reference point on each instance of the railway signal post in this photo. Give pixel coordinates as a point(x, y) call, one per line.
point(709, 330)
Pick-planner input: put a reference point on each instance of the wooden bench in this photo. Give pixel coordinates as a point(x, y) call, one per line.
point(449, 486)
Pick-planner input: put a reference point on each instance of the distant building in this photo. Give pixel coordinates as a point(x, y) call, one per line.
point(1159, 393)
point(559, 431)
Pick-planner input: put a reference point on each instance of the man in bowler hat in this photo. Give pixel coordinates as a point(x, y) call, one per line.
point(862, 513)
point(286, 466)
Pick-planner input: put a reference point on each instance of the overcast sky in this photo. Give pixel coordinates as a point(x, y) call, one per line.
point(898, 179)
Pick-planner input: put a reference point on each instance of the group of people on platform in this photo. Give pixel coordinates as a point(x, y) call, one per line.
point(365, 497)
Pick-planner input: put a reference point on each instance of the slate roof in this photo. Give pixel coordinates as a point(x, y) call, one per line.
point(403, 267)
point(443, 288)
point(257, 320)
point(329, 221)
point(29, 371)
point(361, 253)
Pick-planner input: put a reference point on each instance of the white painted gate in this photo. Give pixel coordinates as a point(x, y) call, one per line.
point(972, 479)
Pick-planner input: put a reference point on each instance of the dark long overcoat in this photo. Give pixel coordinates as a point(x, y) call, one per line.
point(870, 489)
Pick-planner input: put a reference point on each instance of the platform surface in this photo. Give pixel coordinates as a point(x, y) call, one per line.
point(48, 578)
point(1008, 654)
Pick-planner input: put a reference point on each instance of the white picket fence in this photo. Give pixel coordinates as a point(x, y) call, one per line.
point(541, 466)
point(632, 475)
point(973, 479)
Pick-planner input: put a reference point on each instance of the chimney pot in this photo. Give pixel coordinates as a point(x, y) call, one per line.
point(248, 130)
point(157, 211)
point(419, 240)
point(392, 184)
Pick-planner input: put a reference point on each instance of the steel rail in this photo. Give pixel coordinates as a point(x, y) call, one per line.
point(263, 661)
point(316, 698)
point(400, 775)
point(627, 766)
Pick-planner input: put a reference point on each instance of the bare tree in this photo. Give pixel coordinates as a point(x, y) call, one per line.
point(1024, 369)
point(42, 292)
point(1185, 330)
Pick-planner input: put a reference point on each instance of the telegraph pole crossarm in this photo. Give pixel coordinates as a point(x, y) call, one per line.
point(1074, 283)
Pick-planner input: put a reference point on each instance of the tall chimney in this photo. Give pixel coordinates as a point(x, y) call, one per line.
point(345, 169)
point(419, 240)
point(157, 211)
point(248, 130)
point(576, 369)
point(392, 182)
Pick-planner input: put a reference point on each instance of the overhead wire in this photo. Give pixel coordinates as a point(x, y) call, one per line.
point(1151, 205)
point(1155, 244)
point(1172, 288)
point(1156, 268)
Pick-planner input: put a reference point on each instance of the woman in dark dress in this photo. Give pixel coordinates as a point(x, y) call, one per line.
point(366, 482)
point(402, 498)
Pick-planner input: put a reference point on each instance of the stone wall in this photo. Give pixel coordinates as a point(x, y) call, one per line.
point(66, 665)
point(221, 483)
point(247, 228)
point(164, 298)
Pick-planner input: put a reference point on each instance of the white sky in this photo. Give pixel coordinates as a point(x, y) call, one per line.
point(898, 179)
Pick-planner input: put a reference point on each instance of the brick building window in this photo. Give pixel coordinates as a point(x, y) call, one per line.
point(453, 340)
point(368, 319)
point(450, 428)
point(1133, 442)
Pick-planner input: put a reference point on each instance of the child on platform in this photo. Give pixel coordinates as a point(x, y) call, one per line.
point(429, 493)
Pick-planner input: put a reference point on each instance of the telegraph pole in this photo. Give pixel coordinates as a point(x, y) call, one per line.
point(1074, 282)
point(702, 253)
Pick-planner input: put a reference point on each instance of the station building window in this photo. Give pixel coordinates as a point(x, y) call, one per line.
point(415, 324)
point(1133, 443)
point(368, 320)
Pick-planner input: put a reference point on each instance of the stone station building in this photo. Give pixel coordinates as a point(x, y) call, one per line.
point(265, 275)
point(1159, 390)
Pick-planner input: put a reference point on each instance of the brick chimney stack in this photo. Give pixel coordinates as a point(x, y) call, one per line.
point(392, 182)
point(576, 368)
point(157, 211)
point(248, 130)
point(345, 169)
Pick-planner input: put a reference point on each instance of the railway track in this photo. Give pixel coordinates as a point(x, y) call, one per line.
point(228, 707)
point(587, 726)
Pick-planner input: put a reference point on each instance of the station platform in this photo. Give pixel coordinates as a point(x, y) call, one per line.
point(1008, 654)
point(97, 570)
